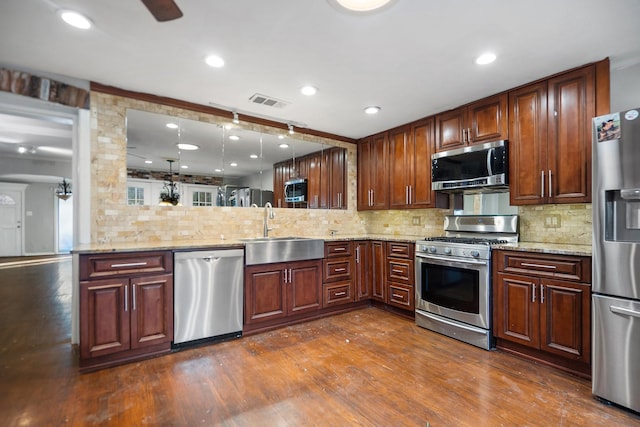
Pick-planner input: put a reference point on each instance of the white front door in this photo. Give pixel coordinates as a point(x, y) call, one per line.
point(10, 222)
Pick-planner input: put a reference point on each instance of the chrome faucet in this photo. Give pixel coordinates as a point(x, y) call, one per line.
point(268, 214)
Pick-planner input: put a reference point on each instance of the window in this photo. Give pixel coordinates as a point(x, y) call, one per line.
point(202, 198)
point(135, 196)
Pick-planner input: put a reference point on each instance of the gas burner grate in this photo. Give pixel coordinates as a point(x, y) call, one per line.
point(467, 240)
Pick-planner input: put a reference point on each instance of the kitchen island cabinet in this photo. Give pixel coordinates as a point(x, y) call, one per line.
point(542, 308)
point(126, 307)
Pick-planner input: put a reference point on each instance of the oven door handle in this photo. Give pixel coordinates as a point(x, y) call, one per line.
point(452, 260)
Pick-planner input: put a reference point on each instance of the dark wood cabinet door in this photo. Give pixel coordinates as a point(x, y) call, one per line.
point(528, 144)
point(487, 120)
point(265, 297)
point(449, 129)
point(337, 178)
point(151, 310)
point(423, 146)
point(516, 309)
point(104, 317)
point(373, 173)
point(364, 174)
point(325, 179)
point(304, 283)
point(571, 107)
point(362, 269)
point(400, 167)
point(377, 270)
point(565, 325)
point(313, 181)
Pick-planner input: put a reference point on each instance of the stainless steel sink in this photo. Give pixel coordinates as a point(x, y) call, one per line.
point(268, 250)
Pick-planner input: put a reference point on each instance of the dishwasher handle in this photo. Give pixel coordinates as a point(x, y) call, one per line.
point(208, 255)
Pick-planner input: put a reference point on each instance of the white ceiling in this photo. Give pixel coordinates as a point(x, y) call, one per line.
point(412, 59)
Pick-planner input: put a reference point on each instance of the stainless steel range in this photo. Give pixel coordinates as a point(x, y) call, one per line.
point(453, 276)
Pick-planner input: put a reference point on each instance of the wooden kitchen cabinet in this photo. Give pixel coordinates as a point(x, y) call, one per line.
point(338, 275)
point(281, 174)
point(363, 273)
point(275, 292)
point(377, 269)
point(333, 183)
point(400, 275)
point(410, 150)
point(550, 147)
point(373, 173)
point(542, 307)
point(126, 307)
point(481, 121)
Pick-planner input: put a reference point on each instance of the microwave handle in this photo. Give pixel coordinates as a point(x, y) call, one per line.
point(285, 189)
point(489, 162)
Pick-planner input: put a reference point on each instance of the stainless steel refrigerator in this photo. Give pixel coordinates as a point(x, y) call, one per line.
point(616, 258)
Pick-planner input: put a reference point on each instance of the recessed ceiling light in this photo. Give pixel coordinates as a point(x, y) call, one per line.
point(148, 162)
point(309, 90)
point(75, 19)
point(281, 136)
point(372, 109)
point(188, 147)
point(22, 150)
point(234, 137)
point(184, 167)
point(214, 61)
point(217, 170)
point(253, 156)
point(233, 164)
point(172, 126)
point(485, 58)
point(361, 5)
point(283, 145)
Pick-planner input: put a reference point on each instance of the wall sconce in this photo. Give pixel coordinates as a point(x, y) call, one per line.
point(63, 191)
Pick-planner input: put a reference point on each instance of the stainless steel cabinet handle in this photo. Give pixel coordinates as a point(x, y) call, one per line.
point(541, 183)
point(526, 264)
point(128, 264)
point(409, 200)
point(373, 197)
point(339, 294)
point(533, 293)
point(357, 254)
point(624, 311)
point(468, 134)
point(397, 271)
point(126, 297)
point(550, 184)
point(340, 270)
point(397, 296)
point(284, 275)
point(339, 249)
point(290, 276)
point(541, 294)
point(133, 298)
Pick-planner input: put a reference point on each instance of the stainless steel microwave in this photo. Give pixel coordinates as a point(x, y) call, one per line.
point(481, 167)
point(295, 190)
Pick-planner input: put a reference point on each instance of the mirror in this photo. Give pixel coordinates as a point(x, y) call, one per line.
point(220, 165)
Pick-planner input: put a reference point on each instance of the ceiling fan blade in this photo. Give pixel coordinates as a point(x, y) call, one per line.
point(163, 10)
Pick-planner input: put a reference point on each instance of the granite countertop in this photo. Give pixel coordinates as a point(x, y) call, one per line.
point(548, 248)
point(179, 245)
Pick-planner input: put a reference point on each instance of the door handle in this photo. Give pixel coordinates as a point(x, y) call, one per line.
point(133, 298)
point(541, 183)
point(624, 311)
point(541, 294)
point(126, 298)
point(533, 293)
point(550, 184)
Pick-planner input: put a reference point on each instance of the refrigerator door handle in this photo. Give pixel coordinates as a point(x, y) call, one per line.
point(624, 311)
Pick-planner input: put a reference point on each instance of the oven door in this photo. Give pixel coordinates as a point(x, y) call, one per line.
point(454, 288)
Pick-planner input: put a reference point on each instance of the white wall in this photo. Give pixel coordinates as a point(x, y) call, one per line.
point(40, 217)
point(625, 88)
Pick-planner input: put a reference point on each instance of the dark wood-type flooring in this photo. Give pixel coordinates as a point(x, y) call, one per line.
point(366, 367)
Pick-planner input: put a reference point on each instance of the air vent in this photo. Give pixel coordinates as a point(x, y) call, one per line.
point(268, 101)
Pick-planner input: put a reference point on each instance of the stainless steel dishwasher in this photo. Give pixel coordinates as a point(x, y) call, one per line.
point(208, 295)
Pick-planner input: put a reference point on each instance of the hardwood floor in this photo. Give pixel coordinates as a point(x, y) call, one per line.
point(366, 367)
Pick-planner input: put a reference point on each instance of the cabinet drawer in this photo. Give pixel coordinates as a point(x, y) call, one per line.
point(337, 293)
point(338, 249)
point(542, 265)
point(400, 250)
point(401, 295)
point(400, 270)
point(337, 269)
point(104, 265)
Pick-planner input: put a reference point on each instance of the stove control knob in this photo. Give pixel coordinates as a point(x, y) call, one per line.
point(475, 254)
point(433, 249)
point(447, 251)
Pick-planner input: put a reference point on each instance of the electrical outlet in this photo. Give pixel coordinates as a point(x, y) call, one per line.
point(415, 220)
point(553, 221)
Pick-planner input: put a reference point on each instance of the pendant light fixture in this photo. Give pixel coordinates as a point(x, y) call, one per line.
point(63, 191)
point(169, 195)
